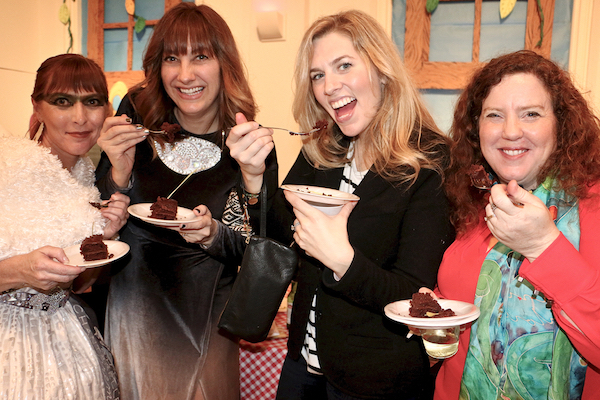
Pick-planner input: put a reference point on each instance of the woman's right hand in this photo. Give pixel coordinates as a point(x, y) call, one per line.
point(118, 140)
point(43, 269)
point(249, 145)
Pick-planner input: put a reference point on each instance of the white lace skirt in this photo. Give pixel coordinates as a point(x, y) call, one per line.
point(45, 355)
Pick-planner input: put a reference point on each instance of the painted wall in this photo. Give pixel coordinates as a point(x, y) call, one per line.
point(30, 32)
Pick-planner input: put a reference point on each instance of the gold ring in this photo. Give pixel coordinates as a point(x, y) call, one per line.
point(488, 217)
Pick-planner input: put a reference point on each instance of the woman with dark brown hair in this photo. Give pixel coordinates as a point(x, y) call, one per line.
point(527, 249)
point(164, 303)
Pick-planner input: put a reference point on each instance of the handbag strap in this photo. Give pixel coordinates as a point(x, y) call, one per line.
point(263, 210)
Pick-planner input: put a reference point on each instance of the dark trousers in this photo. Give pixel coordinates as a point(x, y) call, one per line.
point(296, 383)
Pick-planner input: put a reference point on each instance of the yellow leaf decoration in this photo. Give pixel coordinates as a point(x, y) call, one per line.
point(130, 6)
point(506, 7)
point(64, 14)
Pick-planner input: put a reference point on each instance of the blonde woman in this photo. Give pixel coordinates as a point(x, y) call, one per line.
point(382, 145)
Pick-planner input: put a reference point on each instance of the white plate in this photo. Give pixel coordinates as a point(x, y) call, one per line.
point(142, 211)
point(465, 312)
point(116, 248)
point(320, 195)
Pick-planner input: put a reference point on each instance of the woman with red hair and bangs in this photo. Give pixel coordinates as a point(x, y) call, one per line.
point(49, 343)
point(165, 301)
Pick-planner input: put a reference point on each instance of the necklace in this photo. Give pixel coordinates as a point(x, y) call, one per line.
point(189, 155)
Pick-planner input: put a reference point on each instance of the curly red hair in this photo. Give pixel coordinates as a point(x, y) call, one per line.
point(575, 161)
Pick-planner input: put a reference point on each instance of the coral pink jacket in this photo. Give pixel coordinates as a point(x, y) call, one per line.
point(569, 277)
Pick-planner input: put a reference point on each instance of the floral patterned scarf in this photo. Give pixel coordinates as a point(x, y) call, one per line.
point(517, 350)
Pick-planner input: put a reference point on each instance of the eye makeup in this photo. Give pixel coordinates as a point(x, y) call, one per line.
point(68, 99)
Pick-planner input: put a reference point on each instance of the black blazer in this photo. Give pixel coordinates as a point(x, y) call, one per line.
point(399, 233)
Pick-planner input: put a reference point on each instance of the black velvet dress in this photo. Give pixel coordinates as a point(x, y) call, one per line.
point(166, 297)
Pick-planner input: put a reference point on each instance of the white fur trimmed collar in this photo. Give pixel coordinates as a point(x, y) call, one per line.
point(41, 203)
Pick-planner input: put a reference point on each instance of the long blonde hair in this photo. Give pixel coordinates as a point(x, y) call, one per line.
point(394, 138)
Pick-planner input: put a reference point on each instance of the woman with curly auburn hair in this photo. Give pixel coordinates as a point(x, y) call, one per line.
point(527, 248)
point(574, 161)
point(382, 145)
point(164, 303)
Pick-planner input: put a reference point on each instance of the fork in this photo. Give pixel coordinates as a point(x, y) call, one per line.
point(293, 133)
point(481, 184)
point(159, 132)
point(100, 206)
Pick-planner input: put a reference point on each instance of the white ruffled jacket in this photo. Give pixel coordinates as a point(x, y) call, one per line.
point(41, 203)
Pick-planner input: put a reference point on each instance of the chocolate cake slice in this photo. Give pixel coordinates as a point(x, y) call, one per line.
point(479, 177)
point(93, 248)
point(164, 208)
point(422, 303)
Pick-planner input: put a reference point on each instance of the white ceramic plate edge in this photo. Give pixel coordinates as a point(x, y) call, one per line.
point(136, 211)
point(461, 319)
point(317, 194)
point(116, 248)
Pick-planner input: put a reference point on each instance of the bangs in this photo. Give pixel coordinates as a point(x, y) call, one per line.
point(200, 37)
point(76, 76)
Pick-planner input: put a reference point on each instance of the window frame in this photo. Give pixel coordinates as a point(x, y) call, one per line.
point(455, 75)
point(95, 41)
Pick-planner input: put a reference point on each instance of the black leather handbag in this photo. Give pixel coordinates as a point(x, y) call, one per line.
point(264, 276)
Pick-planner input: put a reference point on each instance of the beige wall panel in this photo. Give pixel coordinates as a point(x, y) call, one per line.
point(30, 32)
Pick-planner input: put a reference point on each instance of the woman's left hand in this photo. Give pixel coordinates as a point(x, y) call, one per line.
point(202, 231)
point(116, 213)
point(520, 220)
point(324, 237)
point(250, 145)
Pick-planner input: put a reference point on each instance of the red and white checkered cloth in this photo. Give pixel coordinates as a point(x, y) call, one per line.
point(260, 364)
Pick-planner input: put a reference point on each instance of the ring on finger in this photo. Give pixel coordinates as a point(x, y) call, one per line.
point(488, 217)
point(493, 205)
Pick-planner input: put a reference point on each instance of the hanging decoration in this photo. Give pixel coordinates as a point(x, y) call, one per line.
point(431, 5)
point(64, 16)
point(140, 22)
point(506, 7)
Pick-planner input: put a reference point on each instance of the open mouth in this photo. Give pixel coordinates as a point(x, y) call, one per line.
point(344, 106)
point(342, 103)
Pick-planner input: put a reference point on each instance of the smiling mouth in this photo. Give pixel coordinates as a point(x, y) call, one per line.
point(191, 91)
point(514, 152)
point(342, 102)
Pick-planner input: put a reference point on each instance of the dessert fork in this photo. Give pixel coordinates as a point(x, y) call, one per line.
point(481, 184)
point(293, 133)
